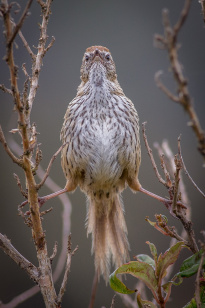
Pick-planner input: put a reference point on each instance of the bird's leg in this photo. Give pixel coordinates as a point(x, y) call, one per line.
point(135, 185)
point(70, 186)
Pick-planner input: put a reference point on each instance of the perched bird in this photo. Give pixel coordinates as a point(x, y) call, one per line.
point(102, 154)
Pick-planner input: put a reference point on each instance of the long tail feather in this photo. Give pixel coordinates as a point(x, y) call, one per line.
point(105, 220)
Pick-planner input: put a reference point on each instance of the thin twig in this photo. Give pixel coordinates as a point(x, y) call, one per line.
point(33, 56)
point(20, 24)
point(25, 194)
point(164, 89)
point(38, 186)
point(176, 183)
point(16, 160)
point(49, 45)
point(186, 171)
point(197, 282)
point(4, 89)
point(67, 269)
point(55, 248)
point(169, 41)
point(94, 290)
point(15, 255)
point(152, 158)
point(182, 18)
point(113, 301)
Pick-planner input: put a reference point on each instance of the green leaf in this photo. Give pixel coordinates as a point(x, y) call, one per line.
point(146, 259)
point(153, 250)
point(138, 269)
point(118, 286)
point(169, 257)
point(142, 303)
point(190, 266)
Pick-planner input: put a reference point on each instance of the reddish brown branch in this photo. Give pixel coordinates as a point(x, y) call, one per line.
point(94, 290)
point(169, 41)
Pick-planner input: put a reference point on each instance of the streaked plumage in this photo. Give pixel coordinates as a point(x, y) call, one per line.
point(102, 154)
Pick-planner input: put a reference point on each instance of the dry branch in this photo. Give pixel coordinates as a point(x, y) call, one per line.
point(67, 269)
point(28, 135)
point(169, 42)
point(22, 262)
point(8, 150)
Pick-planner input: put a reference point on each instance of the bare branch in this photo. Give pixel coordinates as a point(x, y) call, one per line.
point(182, 18)
point(22, 262)
point(8, 150)
point(40, 54)
point(197, 282)
point(50, 44)
point(38, 186)
point(55, 248)
point(186, 171)
point(4, 89)
point(176, 183)
point(25, 194)
point(20, 24)
point(152, 158)
point(164, 89)
point(170, 43)
point(94, 290)
point(33, 56)
point(67, 269)
point(113, 302)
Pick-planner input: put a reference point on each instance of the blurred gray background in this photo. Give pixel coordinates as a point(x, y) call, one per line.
point(127, 29)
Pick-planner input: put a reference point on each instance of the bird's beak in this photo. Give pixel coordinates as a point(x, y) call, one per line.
point(97, 55)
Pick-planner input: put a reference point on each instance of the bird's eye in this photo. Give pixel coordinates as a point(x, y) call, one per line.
point(107, 57)
point(87, 58)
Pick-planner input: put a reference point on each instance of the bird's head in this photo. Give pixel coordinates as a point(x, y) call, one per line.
point(98, 56)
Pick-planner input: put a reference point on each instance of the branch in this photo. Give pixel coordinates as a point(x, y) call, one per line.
point(22, 262)
point(25, 194)
point(94, 290)
point(38, 186)
point(152, 158)
point(8, 150)
point(197, 282)
point(20, 24)
point(68, 264)
point(186, 171)
point(169, 41)
point(4, 89)
point(36, 68)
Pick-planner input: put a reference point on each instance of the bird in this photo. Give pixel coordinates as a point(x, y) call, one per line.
point(102, 155)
